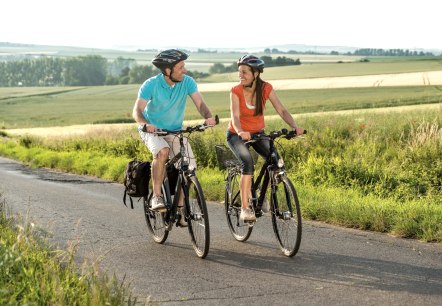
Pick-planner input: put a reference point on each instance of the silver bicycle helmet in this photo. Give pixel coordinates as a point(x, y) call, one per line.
point(169, 58)
point(252, 61)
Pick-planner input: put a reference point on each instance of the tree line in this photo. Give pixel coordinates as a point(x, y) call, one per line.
point(390, 52)
point(89, 70)
point(95, 70)
point(268, 60)
point(359, 52)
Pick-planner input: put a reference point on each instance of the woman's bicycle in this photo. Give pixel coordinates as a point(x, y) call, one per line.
point(195, 209)
point(271, 183)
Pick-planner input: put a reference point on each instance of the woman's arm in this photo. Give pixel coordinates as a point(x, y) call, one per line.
point(234, 113)
point(283, 112)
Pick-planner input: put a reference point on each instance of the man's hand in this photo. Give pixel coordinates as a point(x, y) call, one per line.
point(299, 131)
point(210, 121)
point(149, 128)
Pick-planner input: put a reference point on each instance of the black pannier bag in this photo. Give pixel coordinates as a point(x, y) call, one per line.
point(136, 180)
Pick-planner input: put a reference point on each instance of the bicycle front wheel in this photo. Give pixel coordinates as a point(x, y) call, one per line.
point(286, 217)
point(198, 218)
point(240, 230)
point(155, 222)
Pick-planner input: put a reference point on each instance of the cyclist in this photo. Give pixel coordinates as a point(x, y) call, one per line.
point(161, 104)
point(247, 104)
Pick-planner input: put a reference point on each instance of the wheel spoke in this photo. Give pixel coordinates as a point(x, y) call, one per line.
point(286, 217)
point(240, 230)
point(198, 219)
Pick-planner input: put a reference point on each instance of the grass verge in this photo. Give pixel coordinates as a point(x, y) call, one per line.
point(33, 273)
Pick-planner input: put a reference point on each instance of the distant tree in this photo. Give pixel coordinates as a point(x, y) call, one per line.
point(138, 74)
point(197, 75)
point(111, 80)
point(279, 61)
point(87, 70)
point(115, 67)
point(267, 59)
point(217, 68)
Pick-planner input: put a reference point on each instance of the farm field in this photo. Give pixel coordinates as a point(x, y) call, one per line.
point(113, 104)
point(303, 89)
point(377, 80)
point(97, 129)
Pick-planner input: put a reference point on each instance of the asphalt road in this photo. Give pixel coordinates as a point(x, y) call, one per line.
point(335, 266)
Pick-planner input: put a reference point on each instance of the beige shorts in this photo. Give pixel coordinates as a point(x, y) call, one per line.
point(155, 143)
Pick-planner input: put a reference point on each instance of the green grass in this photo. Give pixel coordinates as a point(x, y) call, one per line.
point(381, 167)
point(34, 273)
point(113, 104)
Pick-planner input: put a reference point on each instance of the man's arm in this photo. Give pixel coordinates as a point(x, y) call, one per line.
point(137, 114)
point(202, 108)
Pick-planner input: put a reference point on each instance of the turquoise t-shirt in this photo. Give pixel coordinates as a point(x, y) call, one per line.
point(166, 104)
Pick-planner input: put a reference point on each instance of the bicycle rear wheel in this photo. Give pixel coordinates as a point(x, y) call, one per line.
point(286, 217)
point(155, 222)
point(197, 218)
point(240, 230)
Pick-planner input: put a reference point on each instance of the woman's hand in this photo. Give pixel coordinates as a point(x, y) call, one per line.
point(245, 135)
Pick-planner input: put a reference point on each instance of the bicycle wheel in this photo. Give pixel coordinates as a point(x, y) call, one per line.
point(240, 230)
point(155, 222)
point(198, 218)
point(286, 217)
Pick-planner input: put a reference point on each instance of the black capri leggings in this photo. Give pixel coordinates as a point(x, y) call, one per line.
point(242, 153)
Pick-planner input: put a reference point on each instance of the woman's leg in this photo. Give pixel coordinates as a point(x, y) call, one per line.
point(242, 153)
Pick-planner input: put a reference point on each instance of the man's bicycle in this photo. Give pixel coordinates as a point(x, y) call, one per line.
point(272, 184)
point(195, 209)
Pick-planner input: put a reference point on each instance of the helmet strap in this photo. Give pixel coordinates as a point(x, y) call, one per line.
point(170, 76)
point(253, 81)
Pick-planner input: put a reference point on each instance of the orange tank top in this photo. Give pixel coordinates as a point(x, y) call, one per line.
point(250, 122)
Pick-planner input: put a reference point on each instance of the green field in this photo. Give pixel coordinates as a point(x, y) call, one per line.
point(43, 107)
point(23, 107)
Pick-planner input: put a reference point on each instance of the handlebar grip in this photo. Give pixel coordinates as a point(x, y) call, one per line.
point(305, 132)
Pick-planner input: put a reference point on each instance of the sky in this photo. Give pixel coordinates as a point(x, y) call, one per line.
point(133, 24)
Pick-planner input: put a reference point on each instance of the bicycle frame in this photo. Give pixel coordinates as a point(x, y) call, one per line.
point(195, 209)
point(184, 172)
point(266, 174)
point(285, 210)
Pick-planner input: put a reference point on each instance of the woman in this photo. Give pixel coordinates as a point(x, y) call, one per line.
point(247, 104)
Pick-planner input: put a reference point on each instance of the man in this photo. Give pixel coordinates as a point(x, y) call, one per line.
point(161, 104)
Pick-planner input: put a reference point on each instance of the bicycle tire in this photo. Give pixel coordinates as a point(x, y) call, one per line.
point(286, 217)
point(197, 218)
point(155, 222)
point(240, 230)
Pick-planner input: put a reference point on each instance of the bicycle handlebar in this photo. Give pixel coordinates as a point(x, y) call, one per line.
point(189, 129)
point(284, 133)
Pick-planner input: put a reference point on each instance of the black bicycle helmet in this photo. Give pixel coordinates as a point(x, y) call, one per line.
point(169, 58)
point(252, 61)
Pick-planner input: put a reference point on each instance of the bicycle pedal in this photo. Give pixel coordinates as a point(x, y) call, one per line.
point(160, 210)
point(250, 223)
